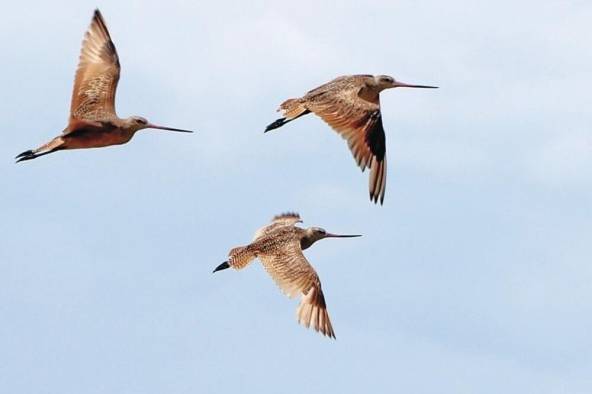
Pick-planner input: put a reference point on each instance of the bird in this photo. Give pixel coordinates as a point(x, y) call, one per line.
point(350, 104)
point(279, 247)
point(93, 122)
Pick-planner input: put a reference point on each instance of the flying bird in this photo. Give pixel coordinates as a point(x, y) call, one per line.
point(351, 106)
point(279, 247)
point(93, 122)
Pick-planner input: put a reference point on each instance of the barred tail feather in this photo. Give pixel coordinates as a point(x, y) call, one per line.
point(292, 109)
point(240, 257)
point(52, 146)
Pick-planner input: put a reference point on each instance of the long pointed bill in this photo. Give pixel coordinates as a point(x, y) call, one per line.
point(153, 126)
point(329, 235)
point(398, 84)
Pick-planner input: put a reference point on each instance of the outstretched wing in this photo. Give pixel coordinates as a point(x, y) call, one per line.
point(356, 116)
point(287, 218)
point(294, 275)
point(96, 79)
point(284, 219)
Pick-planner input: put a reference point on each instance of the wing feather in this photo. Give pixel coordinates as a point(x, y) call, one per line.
point(284, 219)
point(294, 275)
point(95, 84)
point(359, 121)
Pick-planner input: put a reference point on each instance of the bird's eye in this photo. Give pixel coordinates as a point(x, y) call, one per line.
point(141, 121)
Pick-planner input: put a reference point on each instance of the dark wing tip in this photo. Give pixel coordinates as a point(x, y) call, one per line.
point(319, 302)
point(98, 17)
point(376, 198)
point(331, 334)
point(100, 21)
point(374, 134)
point(377, 187)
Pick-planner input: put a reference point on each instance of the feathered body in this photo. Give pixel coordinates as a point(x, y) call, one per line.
point(351, 106)
point(279, 247)
point(93, 121)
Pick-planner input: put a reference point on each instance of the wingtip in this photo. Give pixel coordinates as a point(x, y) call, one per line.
point(377, 200)
point(374, 198)
point(98, 18)
point(329, 333)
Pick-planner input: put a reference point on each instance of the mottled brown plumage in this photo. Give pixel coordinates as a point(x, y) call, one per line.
point(351, 106)
point(279, 247)
point(93, 121)
point(95, 84)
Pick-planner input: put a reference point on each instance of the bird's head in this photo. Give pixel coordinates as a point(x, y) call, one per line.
point(313, 234)
point(388, 82)
point(136, 123)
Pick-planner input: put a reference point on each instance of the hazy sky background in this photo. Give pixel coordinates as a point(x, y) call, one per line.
point(474, 277)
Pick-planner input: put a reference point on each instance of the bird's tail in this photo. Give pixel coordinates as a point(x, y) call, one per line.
point(52, 146)
point(240, 257)
point(292, 109)
point(26, 155)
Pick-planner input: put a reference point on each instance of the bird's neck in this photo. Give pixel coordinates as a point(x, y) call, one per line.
point(307, 238)
point(370, 93)
point(306, 242)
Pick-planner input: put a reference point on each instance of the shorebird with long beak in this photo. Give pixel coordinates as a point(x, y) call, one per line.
point(279, 247)
point(93, 122)
point(351, 106)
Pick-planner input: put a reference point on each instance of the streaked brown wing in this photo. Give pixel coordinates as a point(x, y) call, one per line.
point(284, 219)
point(96, 79)
point(294, 275)
point(359, 122)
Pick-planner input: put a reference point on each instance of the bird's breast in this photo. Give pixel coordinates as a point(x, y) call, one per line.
point(93, 138)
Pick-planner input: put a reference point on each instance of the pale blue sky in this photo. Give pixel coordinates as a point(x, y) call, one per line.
point(474, 277)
